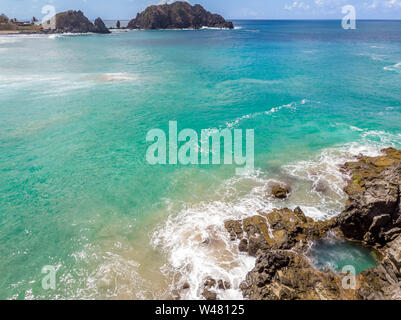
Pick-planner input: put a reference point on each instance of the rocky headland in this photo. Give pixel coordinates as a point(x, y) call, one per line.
point(178, 15)
point(65, 22)
point(280, 240)
point(75, 22)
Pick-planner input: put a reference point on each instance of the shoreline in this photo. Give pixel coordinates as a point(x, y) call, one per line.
point(113, 30)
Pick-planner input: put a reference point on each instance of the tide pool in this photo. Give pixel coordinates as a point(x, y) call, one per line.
point(337, 254)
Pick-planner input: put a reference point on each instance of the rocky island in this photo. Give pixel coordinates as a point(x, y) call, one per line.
point(178, 15)
point(281, 240)
point(75, 22)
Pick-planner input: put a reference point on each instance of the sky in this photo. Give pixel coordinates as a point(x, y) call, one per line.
point(230, 9)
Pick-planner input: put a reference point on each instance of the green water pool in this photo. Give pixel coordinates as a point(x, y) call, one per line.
point(338, 253)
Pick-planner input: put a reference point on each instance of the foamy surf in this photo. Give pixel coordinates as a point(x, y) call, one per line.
point(112, 77)
point(197, 246)
point(236, 122)
point(396, 67)
point(292, 106)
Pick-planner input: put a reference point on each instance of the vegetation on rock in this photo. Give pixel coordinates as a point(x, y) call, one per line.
point(178, 15)
point(75, 22)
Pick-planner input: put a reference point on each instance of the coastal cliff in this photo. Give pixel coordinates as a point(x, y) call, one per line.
point(280, 240)
point(373, 217)
point(178, 15)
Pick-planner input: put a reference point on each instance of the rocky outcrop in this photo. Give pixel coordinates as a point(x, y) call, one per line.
point(383, 281)
point(101, 27)
point(372, 217)
point(210, 287)
point(279, 240)
point(279, 229)
point(287, 275)
point(178, 15)
point(280, 192)
point(373, 212)
point(76, 22)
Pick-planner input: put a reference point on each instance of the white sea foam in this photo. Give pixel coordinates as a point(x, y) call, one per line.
point(197, 244)
point(236, 122)
point(249, 81)
point(373, 56)
point(214, 28)
point(113, 77)
point(396, 67)
point(54, 36)
point(8, 39)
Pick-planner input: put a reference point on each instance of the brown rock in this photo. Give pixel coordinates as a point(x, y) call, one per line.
point(280, 192)
point(209, 295)
point(279, 229)
point(373, 210)
point(76, 22)
point(209, 283)
point(223, 285)
point(234, 228)
point(243, 245)
point(286, 275)
point(178, 15)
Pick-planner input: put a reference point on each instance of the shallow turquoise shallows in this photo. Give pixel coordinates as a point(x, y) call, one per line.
point(77, 193)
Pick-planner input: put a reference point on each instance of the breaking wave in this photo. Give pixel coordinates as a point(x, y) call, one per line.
point(396, 67)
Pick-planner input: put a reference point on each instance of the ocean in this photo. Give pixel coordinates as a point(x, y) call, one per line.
point(77, 193)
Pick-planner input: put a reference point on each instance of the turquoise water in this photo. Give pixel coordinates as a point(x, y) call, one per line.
point(337, 254)
point(77, 193)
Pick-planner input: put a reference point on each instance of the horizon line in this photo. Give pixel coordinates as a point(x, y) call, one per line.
point(280, 19)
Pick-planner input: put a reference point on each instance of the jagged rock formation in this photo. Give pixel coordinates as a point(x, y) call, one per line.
point(286, 275)
point(76, 22)
point(373, 212)
point(178, 15)
point(101, 27)
point(372, 217)
point(278, 239)
point(280, 192)
point(277, 230)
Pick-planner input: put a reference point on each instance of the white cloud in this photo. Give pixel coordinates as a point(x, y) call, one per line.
point(392, 3)
point(297, 4)
point(330, 6)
